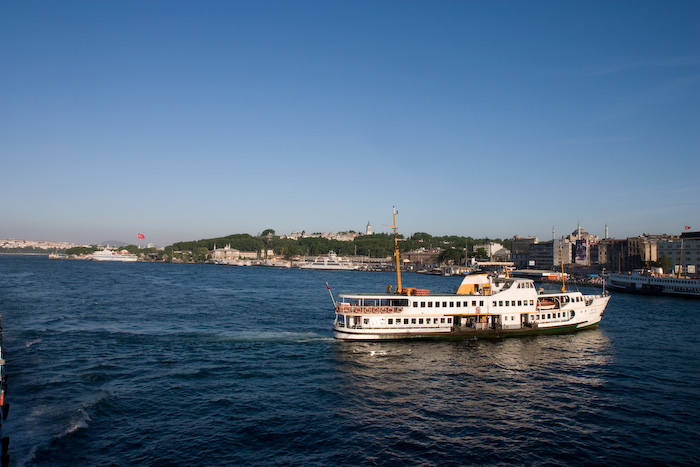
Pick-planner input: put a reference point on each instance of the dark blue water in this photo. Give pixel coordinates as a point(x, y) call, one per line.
point(199, 365)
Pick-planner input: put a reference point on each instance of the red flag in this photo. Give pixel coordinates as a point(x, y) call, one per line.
point(141, 235)
point(687, 227)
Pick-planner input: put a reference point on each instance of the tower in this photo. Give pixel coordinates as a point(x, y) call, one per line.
point(368, 231)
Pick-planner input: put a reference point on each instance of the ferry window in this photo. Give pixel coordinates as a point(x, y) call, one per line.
point(434, 320)
point(549, 316)
point(538, 316)
point(520, 303)
point(442, 320)
point(507, 303)
point(449, 320)
point(558, 315)
point(366, 321)
point(430, 304)
point(420, 321)
point(422, 304)
point(512, 303)
point(391, 321)
point(481, 303)
point(459, 304)
point(413, 320)
point(473, 302)
point(437, 304)
point(444, 304)
point(532, 316)
point(466, 303)
point(532, 302)
point(494, 303)
point(405, 321)
point(500, 303)
point(452, 304)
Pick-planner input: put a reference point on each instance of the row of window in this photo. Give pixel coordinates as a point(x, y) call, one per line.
point(398, 321)
point(512, 303)
point(549, 316)
point(453, 304)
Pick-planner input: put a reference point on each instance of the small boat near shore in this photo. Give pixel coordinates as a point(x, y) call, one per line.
point(485, 305)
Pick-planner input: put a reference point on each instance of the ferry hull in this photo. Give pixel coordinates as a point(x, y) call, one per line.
point(463, 334)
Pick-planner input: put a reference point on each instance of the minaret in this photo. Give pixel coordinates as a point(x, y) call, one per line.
point(578, 233)
point(553, 233)
point(606, 230)
point(369, 229)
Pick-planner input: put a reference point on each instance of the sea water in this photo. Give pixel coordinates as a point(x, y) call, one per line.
point(199, 365)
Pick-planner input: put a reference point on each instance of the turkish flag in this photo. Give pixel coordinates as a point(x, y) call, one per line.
point(140, 236)
point(687, 227)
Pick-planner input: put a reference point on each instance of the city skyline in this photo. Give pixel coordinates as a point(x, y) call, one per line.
point(192, 120)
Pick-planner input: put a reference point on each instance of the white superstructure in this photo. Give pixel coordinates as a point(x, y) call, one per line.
point(330, 261)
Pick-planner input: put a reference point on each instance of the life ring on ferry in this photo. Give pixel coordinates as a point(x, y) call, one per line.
point(398, 309)
point(375, 309)
point(357, 309)
point(383, 310)
point(390, 309)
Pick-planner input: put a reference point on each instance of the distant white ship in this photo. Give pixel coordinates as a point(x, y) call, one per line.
point(330, 261)
point(114, 255)
point(653, 282)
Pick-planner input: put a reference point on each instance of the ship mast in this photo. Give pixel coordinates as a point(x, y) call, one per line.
point(680, 260)
point(396, 253)
point(561, 260)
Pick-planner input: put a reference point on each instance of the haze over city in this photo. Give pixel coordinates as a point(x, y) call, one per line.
point(184, 120)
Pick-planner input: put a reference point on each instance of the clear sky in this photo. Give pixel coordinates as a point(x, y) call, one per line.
point(194, 119)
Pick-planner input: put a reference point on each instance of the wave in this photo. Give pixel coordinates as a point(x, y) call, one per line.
point(38, 340)
point(79, 421)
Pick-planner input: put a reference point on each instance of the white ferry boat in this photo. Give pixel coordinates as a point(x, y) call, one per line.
point(330, 261)
point(113, 255)
point(653, 282)
point(485, 305)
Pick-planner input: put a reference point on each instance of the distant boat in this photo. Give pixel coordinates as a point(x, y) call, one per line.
point(114, 255)
point(330, 261)
point(653, 282)
point(57, 255)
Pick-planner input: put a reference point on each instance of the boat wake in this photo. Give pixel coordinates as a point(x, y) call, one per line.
point(271, 336)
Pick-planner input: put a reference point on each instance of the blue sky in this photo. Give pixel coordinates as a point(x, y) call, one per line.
point(187, 120)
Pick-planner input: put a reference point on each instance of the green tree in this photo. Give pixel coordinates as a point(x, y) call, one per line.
point(451, 255)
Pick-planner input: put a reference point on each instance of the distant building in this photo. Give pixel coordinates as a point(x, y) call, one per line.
point(368, 231)
point(520, 250)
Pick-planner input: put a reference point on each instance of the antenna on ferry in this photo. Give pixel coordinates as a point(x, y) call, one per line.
point(396, 252)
